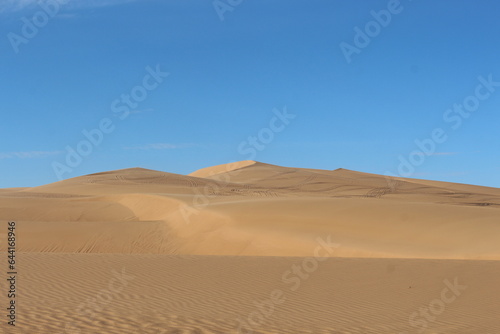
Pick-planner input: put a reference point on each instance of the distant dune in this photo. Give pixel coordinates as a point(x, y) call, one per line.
point(253, 208)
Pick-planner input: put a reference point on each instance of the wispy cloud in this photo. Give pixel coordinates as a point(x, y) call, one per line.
point(67, 16)
point(437, 153)
point(159, 146)
point(141, 111)
point(16, 5)
point(29, 155)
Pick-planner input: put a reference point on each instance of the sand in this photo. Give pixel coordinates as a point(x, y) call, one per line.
point(221, 294)
point(252, 247)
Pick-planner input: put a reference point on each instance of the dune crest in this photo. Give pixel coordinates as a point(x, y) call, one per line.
point(224, 168)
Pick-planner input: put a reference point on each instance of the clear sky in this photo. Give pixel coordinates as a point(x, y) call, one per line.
point(321, 84)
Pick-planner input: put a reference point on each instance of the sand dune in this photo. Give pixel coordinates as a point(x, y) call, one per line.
point(224, 168)
point(252, 208)
point(254, 248)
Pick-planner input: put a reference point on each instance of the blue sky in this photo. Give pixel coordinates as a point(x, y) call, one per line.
point(229, 79)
